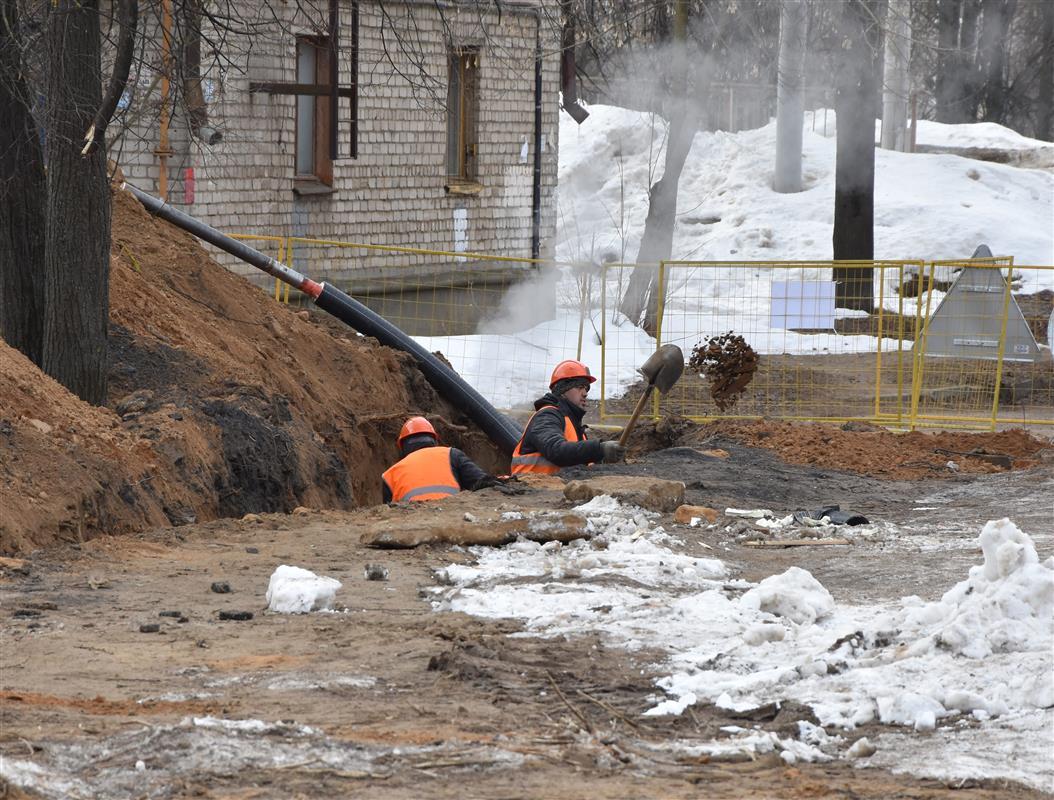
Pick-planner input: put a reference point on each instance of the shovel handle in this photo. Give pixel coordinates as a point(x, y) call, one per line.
point(636, 413)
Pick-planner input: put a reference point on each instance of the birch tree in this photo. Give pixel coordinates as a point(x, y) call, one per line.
point(896, 83)
point(641, 301)
point(790, 96)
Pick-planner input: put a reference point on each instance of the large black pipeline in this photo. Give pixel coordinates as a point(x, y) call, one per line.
point(501, 430)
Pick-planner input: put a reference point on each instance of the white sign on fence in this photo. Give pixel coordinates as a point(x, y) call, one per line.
point(802, 304)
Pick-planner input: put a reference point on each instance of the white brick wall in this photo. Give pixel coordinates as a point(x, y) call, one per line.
point(393, 193)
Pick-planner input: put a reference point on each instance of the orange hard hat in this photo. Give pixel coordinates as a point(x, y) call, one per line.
point(570, 369)
point(416, 425)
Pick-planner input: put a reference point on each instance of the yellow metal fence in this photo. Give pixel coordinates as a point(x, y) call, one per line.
point(903, 344)
point(502, 322)
point(948, 344)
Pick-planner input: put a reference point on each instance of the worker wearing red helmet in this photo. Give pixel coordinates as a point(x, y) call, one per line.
point(554, 436)
point(428, 471)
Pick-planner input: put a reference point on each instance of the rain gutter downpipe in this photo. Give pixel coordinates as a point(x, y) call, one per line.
point(501, 430)
point(536, 183)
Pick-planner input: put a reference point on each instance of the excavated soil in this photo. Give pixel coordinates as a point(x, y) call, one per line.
point(221, 402)
point(856, 447)
point(229, 418)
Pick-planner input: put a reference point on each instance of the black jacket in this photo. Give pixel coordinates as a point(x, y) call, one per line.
point(465, 470)
point(545, 434)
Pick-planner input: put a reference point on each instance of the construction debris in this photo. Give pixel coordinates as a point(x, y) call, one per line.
point(494, 531)
point(795, 542)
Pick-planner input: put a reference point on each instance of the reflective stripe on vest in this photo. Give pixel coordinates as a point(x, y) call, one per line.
point(536, 463)
point(425, 474)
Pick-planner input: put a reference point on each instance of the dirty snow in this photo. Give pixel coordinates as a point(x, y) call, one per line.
point(927, 206)
point(982, 655)
point(139, 763)
point(294, 590)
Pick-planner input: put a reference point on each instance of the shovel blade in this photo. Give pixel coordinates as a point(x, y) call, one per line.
point(663, 367)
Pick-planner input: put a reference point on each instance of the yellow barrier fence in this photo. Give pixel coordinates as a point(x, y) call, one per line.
point(815, 357)
point(899, 343)
point(473, 308)
point(903, 344)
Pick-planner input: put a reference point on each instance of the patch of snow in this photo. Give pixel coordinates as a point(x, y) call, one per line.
point(927, 207)
point(294, 590)
point(984, 650)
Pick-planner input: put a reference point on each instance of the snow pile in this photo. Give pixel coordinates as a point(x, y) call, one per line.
point(611, 576)
point(1004, 606)
point(927, 206)
point(975, 134)
point(984, 651)
point(293, 590)
point(795, 595)
point(985, 648)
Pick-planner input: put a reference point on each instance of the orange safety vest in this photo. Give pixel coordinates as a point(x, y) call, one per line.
point(535, 462)
point(425, 474)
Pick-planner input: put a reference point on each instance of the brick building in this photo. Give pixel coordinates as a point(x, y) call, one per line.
point(434, 142)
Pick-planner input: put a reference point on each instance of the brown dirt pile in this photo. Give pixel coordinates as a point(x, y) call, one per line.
point(875, 451)
point(222, 402)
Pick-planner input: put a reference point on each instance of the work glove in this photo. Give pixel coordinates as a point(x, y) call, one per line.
point(613, 452)
point(511, 487)
point(503, 485)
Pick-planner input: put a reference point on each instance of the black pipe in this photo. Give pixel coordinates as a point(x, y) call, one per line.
point(501, 430)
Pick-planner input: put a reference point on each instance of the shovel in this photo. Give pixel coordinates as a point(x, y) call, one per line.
point(661, 371)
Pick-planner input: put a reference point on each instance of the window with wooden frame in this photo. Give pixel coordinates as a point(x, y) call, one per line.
point(317, 90)
point(313, 118)
point(462, 127)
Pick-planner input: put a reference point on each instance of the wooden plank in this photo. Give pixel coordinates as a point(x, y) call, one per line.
point(797, 543)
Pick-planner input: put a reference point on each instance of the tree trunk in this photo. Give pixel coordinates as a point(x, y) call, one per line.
point(854, 192)
point(77, 261)
point(641, 301)
point(22, 199)
point(949, 86)
point(790, 99)
point(897, 83)
point(991, 52)
point(967, 67)
point(640, 304)
point(1045, 101)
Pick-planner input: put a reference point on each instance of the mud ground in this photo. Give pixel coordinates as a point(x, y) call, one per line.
point(227, 413)
point(405, 702)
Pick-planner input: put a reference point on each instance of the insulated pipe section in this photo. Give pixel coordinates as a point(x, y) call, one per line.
point(501, 430)
point(239, 250)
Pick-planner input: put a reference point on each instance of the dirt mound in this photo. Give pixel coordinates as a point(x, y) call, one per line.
point(221, 402)
point(871, 450)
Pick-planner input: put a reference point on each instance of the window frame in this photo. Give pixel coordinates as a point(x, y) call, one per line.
point(319, 180)
point(462, 117)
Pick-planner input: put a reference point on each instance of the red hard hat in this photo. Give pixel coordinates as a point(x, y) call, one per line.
point(570, 369)
point(416, 425)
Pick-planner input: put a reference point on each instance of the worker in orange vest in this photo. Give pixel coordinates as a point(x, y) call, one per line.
point(554, 436)
point(427, 471)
